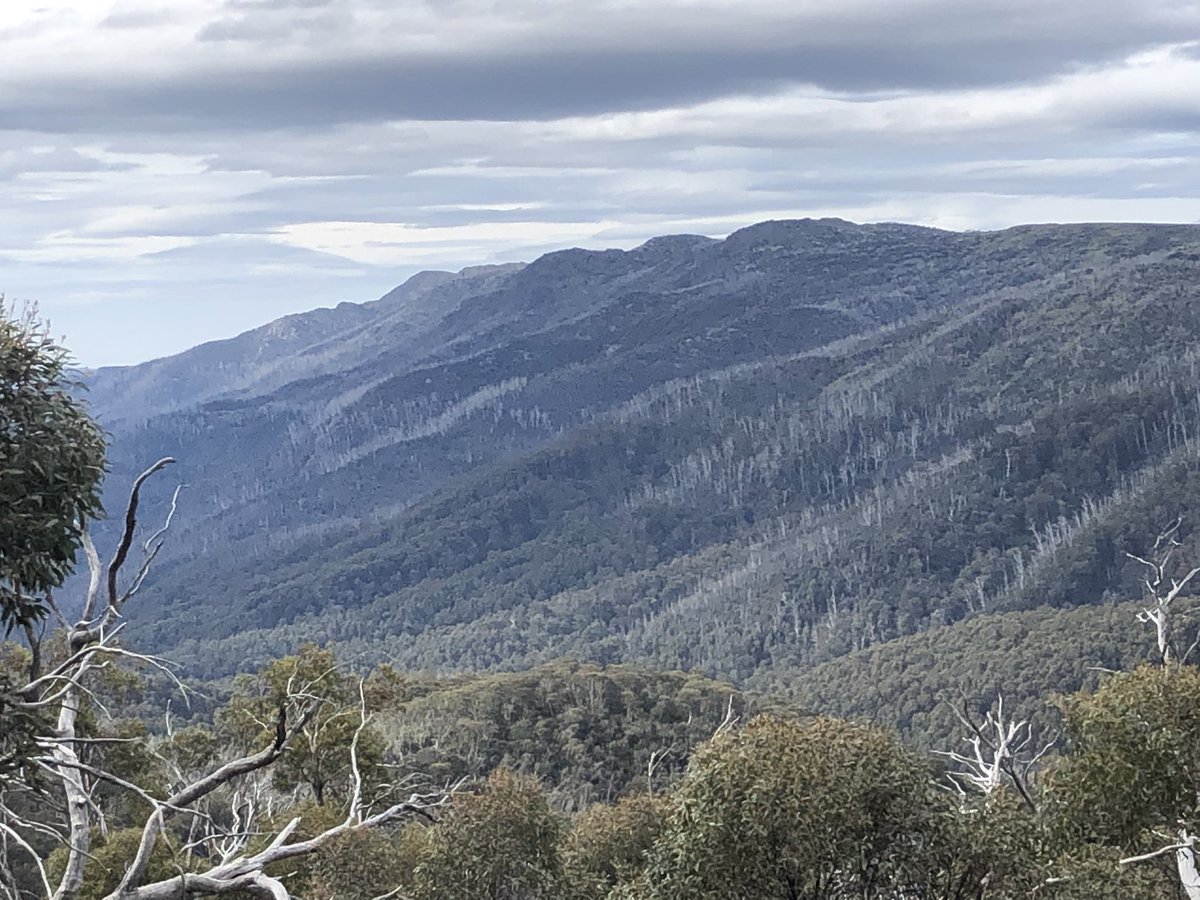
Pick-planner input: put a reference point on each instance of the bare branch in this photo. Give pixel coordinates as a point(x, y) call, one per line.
point(224, 835)
point(247, 873)
point(95, 575)
point(118, 560)
point(206, 785)
point(51, 765)
point(1000, 751)
point(730, 721)
point(70, 665)
point(1154, 854)
point(1160, 597)
point(151, 548)
point(355, 774)
point(37, 859)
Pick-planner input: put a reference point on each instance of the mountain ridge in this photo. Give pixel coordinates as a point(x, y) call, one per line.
point(747, 457)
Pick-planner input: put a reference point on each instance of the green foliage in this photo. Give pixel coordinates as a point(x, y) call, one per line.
point(192, 749)
point(319, 756)
point(109, 858)
point(500, 844)
point(915, 683)
point(19, 727)
point(360, 864)
point(609, 845)
point(817, 809)
point(51, 463)
point(586, 731)
point(999, 842)
point(364, 864)
point(125, 749)
point(781, 808)
point(1134, 760)
point(1093, 872)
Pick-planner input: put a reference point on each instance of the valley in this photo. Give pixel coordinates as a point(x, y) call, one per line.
point(746, 458)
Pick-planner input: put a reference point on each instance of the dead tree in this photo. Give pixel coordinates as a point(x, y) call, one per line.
point(1162, 593)
point(60, 691)
point(1002, 750)
point(1162, 590)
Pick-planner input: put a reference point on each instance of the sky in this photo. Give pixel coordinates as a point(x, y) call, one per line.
point(177, 172)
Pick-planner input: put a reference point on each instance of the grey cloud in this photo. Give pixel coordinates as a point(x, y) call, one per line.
point(120, 18)
point(1177, 117)
point(582, 73)
point(234, 254)
point(260, 29)
point(260, 133)
point(26, 161)
point(596, 179)
point(534, 87)
point(276, 4)
point(237, 29)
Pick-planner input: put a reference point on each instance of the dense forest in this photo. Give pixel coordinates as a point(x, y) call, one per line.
point(584, 782)
point(825, 561)
point(995, 440)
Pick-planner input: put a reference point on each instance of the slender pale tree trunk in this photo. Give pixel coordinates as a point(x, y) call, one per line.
point(1185, 860)
point(78, 814)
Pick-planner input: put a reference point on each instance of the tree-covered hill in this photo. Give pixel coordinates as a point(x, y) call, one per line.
point(589, 733)
point(747, 457)
point(919, 683)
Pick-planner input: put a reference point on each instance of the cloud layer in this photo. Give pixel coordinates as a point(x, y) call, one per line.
point(172, 173)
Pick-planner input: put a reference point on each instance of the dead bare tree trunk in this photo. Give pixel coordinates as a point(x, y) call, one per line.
point(1002, 751)
point(1162, 590)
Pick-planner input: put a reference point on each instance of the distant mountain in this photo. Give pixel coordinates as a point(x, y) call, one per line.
point(304, 345)
point(748, 457)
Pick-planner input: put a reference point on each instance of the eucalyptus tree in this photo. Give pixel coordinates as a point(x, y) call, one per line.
point(51, 464)
point(502, 843)
point(819, 809)
point(1132, 777)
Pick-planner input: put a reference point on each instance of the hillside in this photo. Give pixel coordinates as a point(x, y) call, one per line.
point(305, 345)
point(590, 734)
point(747, 457)
point(916, 683)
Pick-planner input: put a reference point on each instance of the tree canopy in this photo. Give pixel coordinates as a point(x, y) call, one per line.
point(51, 463)
point(784, 809)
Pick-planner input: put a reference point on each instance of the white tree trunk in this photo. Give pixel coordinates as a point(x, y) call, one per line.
point(78, 813)
point(1189, 878)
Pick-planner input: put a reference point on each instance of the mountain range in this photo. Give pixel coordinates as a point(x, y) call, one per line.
point(769, 458)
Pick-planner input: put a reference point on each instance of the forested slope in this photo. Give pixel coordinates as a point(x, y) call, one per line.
point(746, 457)
point(589, 733)
point(919, 683)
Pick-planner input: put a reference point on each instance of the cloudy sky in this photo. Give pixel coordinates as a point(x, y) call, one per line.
point(172, 172)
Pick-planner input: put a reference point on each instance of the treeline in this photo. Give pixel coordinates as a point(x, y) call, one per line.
point(585, 783)
point(915, 684)
point(588, 733)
